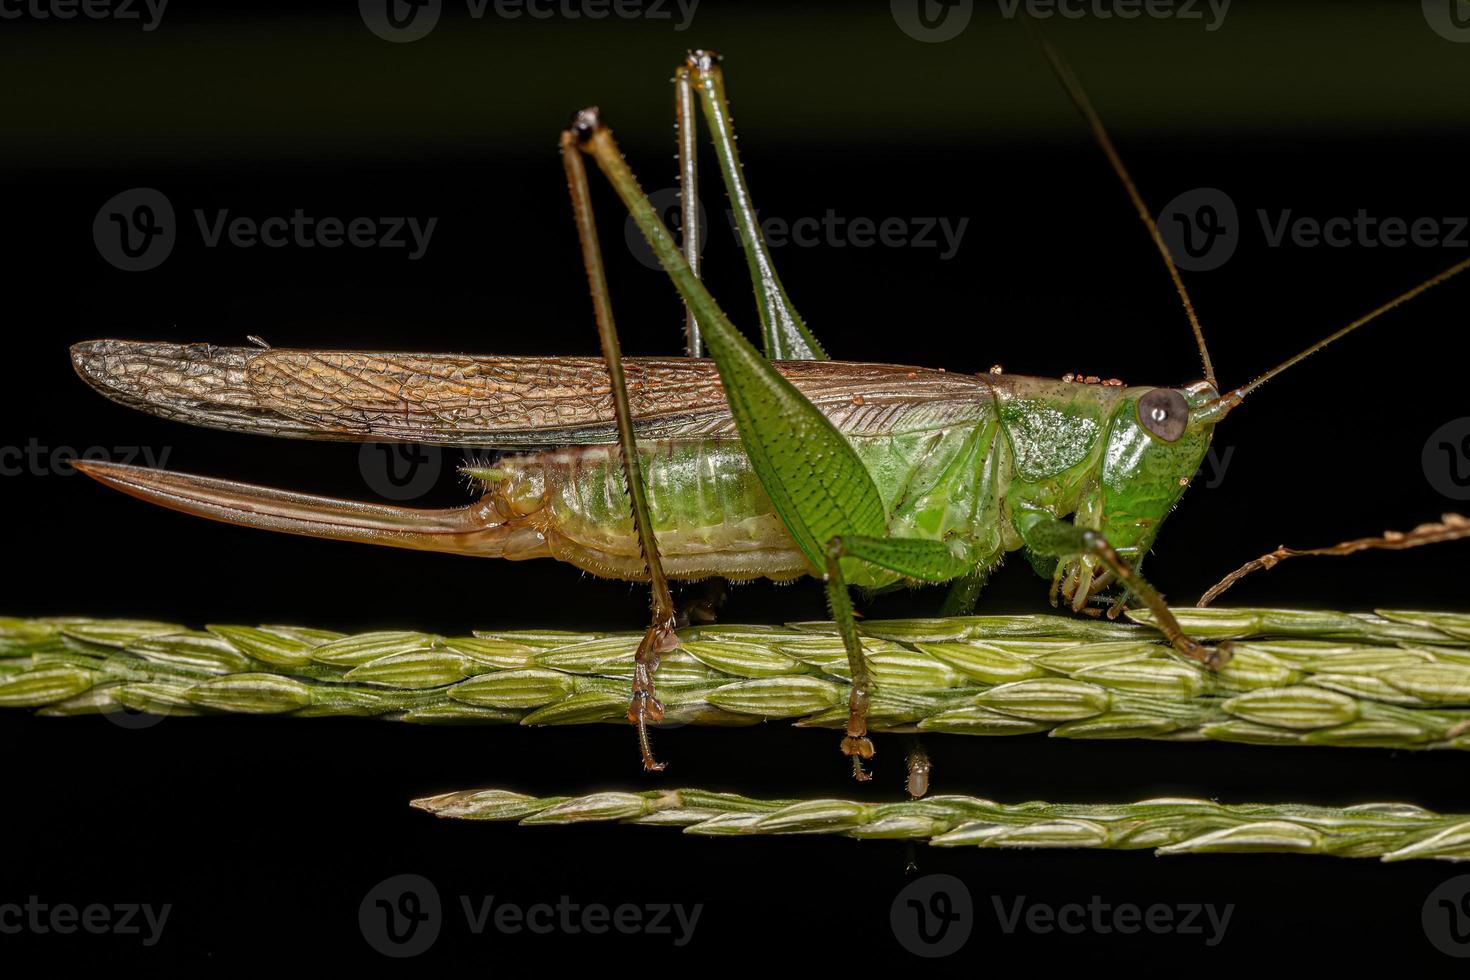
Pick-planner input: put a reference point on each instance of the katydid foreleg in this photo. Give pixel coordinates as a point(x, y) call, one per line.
point(1060, 539)
point(644, 706)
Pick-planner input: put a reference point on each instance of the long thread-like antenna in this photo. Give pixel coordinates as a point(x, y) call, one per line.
point(1398, 300)
point(1079, 98)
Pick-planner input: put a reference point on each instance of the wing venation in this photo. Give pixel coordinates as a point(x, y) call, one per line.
point(474, 400)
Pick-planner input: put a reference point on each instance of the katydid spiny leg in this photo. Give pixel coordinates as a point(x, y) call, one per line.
point(785, 334)
point(644, 707)
point(923, 559)
point(1063, 539)
point(964, 592)
point(818, 486)
point(685, 126)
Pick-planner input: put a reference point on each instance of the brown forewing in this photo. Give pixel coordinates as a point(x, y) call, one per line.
point(483, 400)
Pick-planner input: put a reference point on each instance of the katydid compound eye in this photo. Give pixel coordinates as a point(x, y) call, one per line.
point(1164, 413)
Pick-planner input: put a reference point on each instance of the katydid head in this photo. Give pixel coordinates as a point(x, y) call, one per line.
point(1139, 462)
point(1155, 444)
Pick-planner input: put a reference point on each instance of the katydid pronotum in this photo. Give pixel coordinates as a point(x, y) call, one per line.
point(745, 465)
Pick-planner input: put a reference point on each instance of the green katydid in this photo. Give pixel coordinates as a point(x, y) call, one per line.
point(745, 465)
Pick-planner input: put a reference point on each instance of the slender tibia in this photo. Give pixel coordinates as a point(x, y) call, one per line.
point(826, 497)
point(855, 743)
point(684, 131)
point(916, 558)
point(1213, 657)
point(1062, 539)
point(644, 708)
point(786, 334)
point(964, 593)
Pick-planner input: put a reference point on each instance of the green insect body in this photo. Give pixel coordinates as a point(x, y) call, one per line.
point(1025, 448)
point(753, 464)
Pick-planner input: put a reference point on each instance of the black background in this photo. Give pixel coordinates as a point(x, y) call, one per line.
point(265, 834)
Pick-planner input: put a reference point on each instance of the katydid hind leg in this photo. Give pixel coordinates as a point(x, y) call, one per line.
point(685, 126)
point(785, 334)
point(644, 707)
point(817, 483)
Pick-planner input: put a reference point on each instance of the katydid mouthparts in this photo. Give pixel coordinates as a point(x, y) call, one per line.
point(777, 463)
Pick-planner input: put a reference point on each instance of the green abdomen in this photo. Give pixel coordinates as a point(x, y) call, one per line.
point(711, 515)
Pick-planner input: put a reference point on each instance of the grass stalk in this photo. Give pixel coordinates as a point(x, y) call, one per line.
point(1393, 679)
point(1386, 831)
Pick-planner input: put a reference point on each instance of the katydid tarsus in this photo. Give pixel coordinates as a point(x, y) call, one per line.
point(776, 464)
